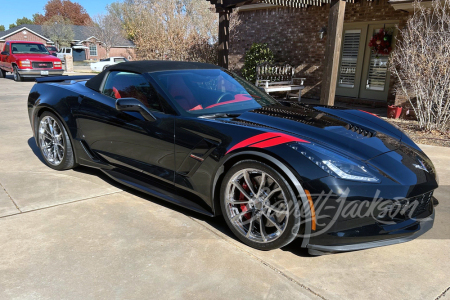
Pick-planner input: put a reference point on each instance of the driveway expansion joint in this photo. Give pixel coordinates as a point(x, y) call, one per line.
point(444, 293)
point(61, 204)
point(12, 200)
point(273, 268)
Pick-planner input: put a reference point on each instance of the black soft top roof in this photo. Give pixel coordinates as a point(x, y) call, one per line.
point(147, 66)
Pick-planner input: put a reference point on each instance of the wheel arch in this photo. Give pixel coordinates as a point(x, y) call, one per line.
point(273, 162)
point(38, 113)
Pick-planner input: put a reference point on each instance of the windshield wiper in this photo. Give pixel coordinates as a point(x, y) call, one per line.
point(220, 115)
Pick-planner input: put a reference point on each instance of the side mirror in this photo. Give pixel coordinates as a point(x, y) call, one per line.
point(54, 54)
point(132, 104)
point(5, 53)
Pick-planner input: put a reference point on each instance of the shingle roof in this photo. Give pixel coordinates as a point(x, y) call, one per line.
point(81, 33)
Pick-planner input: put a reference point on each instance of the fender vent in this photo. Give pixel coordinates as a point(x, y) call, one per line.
point(360, 130)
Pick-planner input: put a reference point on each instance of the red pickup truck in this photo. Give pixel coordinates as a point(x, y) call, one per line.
point(28, 59)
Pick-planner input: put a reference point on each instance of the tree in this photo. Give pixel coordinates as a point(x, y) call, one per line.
point(59, 30)
point(2, 27)
point(258, 53)
point(421, 63)
point(108, 30)
point(170, 29)
point(72, 11)
point(24, 21)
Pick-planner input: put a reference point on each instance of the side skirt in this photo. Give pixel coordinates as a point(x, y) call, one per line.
point(132, 182)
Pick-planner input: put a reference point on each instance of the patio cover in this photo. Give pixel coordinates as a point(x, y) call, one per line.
point(334, 36)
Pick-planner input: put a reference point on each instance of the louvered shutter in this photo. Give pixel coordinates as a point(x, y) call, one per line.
point(349, 60)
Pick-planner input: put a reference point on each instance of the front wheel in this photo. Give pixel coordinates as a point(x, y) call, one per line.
point(54, 143)
point(259, 206)
point(16, 75)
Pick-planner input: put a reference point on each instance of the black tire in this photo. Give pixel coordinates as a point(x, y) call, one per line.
point(68, 161)
point(2, 73)
point(291, 228)
point(106, 67)
point(17, 77)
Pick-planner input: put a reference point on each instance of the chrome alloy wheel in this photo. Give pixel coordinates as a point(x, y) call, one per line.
point(256, 205)
point(51, 141)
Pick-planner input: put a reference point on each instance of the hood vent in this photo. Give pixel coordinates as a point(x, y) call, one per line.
point(360, 130)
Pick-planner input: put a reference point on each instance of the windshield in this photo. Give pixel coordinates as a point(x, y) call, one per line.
point(120, 59)
point(202, 92)
point(28, 48)
point(51, 48)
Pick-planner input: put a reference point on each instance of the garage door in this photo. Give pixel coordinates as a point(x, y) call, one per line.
point(79, 54)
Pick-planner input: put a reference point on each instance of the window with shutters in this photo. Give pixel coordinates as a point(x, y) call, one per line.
point(378, 68)
point(350, 49)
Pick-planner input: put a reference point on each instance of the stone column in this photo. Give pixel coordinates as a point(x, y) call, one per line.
point(69, 64)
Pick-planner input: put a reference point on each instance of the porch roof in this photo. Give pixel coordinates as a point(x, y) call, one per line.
point(229, 4)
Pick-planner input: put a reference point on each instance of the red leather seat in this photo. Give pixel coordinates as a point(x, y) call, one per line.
point(125, 87)
point(181, 93)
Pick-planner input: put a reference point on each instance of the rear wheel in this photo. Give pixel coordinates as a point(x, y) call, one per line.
point(16, 74)
point(259, 206)
point(2, 73)
point(105, 67)
point(54, 143)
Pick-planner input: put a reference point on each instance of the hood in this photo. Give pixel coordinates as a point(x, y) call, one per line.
point(36, 57)
point(305, 121)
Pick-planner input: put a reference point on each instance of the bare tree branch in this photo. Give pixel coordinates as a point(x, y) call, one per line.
point(107, 29)
point(170, 29)
point(421, 62)
point(59, 30)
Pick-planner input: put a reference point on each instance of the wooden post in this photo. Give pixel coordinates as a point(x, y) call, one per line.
point(224, 37)
point(332, 52)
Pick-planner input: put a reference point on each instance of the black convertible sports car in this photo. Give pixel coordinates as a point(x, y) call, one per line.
point(199, 136)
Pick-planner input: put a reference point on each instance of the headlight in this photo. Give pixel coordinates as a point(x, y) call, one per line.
point(24, 63)
point(335, 164)
point(57, 64)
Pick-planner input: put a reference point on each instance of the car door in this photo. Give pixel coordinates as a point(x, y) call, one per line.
point(5, 64)
point(125, 139)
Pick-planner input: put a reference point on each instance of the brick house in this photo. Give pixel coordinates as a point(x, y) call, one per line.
point(84, 45)
point(294, 35)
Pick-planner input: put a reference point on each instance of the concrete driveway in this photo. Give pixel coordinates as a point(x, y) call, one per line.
point(78, 235)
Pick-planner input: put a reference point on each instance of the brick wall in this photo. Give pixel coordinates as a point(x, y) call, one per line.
point(20, 36)
point(293, 35)
point(101, 52)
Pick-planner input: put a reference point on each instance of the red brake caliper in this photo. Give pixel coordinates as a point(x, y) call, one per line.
point(242, 198)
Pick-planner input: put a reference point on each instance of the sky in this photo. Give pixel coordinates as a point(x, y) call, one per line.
point(11, 10)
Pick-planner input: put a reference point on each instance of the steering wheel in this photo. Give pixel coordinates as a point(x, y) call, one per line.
point(223, 96)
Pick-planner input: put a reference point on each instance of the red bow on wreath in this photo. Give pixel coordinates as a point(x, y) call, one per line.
point(381, 43)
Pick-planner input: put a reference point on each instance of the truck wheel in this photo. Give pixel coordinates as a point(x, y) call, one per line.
point(2, 73)
point(105, 67)
point(16, 74)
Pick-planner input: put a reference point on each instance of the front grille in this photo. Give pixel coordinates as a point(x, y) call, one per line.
point(42, 65)
point(418, 204)
point(403, 209)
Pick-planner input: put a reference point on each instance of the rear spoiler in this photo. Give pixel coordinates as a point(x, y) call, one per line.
point(63, 78)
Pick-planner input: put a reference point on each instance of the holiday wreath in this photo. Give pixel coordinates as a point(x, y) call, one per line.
point(381, 42)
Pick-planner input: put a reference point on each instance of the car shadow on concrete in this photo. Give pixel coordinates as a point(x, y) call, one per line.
point(34, 147)
point(217, 223)
point(26, 79)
